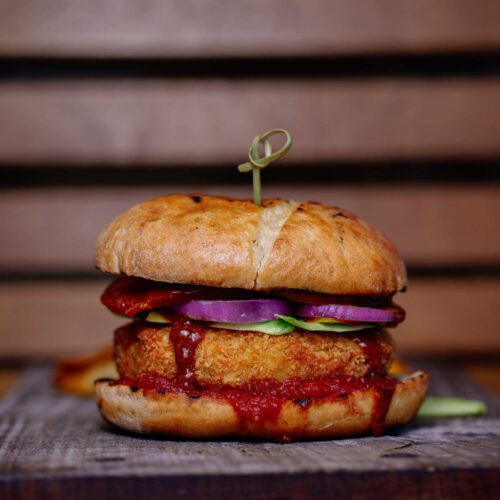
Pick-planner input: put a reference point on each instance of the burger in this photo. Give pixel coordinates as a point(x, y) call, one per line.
point(252, 321)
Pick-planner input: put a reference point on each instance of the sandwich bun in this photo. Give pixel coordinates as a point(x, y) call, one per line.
point(179, 415)
point(224, 242)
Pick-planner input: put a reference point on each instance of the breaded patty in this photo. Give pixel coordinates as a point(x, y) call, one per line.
point(234, 357)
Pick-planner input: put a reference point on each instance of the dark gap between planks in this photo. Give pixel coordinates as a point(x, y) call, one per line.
point(422, 171)
point(400, 65)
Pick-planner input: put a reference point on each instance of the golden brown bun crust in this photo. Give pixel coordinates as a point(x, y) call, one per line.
point(325, 249)
point(180, 416)
point(233, 358)
point(217, 241)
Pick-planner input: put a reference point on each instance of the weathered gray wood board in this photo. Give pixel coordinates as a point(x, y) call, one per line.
point(58, 445)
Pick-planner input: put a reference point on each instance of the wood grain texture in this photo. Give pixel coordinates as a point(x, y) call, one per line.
point(390, 485)
point(187, 122)
point(47, 319)
point(56, 229)
point(223, 28)
point(59, 445)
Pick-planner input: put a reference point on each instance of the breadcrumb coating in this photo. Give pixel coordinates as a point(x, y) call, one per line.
point(234, 357)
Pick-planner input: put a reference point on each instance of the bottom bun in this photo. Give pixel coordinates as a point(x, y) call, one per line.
point(179, 415)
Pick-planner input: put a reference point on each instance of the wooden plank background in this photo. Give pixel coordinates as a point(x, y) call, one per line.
point(190, 122)
point(194, 28)
point(394, 109)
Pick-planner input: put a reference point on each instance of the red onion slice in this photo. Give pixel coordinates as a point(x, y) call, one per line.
point(233, 311)
point(348, 313)
point(130, 295)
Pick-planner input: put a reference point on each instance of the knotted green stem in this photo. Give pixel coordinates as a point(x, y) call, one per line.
point(256, 163)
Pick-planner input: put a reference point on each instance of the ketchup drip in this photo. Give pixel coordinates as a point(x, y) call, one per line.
point(185, 336)
point(250, 407)
point(383, 397)
point(384, 390)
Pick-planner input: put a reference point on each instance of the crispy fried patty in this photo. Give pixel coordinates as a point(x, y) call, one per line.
point(234, 357)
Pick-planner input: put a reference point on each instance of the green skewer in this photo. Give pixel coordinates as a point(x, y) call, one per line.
point(256, 163)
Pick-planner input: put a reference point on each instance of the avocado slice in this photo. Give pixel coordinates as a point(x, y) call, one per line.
point(322, 327)
point(275, 327)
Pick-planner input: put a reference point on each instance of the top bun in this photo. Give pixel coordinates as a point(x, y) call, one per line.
point(224, 242)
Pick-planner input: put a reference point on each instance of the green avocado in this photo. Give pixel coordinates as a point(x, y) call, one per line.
point(281, 326)
point(323, 327)
point(276, 327)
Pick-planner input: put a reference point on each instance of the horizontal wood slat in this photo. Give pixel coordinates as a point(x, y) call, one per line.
point(185, 122)
point(46, 319)
point(55, 229)
point(226, 28)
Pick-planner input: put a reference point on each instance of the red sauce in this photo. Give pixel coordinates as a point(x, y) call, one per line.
point(383, 397)
point(185, 336)
point(373, 350)
point(261, 400)
point(384, 390)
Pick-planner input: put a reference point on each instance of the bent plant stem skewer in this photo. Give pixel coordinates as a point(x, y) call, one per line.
point(255, 163)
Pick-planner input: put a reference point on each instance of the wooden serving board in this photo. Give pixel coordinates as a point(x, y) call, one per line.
point(57, 446)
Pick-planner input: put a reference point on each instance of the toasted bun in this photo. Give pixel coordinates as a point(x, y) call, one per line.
point(223, 242)
point(181, 416)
